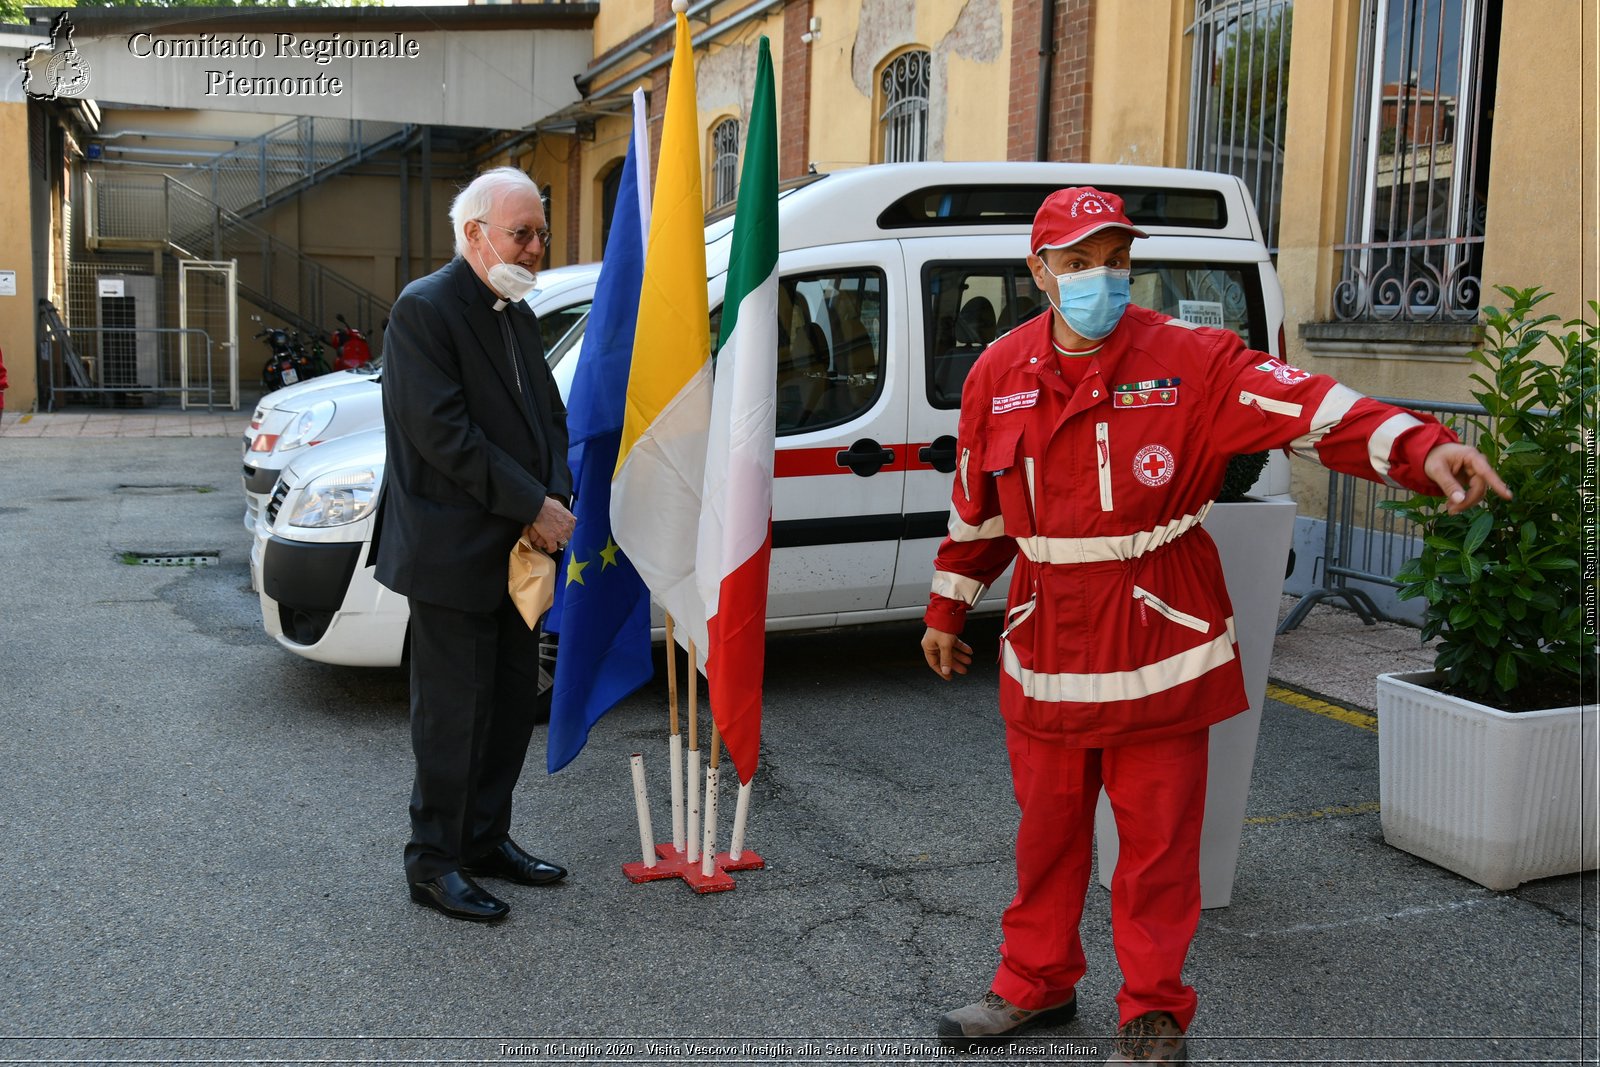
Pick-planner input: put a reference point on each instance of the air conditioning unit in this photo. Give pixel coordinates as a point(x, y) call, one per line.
point(129, 347)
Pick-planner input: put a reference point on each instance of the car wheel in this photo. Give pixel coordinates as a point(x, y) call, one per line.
point(547, 675)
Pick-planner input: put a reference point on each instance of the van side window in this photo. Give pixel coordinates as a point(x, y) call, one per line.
point(830, 347)
point(1228, 297)
point(966, 306)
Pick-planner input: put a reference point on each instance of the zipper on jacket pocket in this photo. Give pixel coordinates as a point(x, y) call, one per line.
point(1102, 448)
point(966, 454)
point(1144, 597)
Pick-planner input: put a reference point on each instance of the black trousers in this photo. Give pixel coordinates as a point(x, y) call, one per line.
point(474, 682)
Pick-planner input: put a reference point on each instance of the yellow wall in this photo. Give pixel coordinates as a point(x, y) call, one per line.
point(1136, 114)
point(841, 110)
point(977, 80)
point(16, 240)
point(609, 148)
point(618, 21)
point(1544, 205)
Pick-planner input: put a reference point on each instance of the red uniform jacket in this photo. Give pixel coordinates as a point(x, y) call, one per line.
point(1119, 627)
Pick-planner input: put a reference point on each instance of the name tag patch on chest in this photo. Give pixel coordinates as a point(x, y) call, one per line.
point(1155, 393)
point(1153, 465)
point(1015, 401)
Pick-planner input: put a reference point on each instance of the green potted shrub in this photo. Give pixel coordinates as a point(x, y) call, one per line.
point(1487, 763)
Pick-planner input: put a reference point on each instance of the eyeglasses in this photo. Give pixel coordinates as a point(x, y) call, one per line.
point(522, 234)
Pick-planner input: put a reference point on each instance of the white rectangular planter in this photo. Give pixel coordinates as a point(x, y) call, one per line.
point(1499, 797)
point(1253, 540)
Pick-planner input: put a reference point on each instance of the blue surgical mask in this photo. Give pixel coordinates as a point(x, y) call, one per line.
point(1092, 301)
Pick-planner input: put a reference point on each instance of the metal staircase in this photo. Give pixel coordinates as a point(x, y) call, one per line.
point(206, 216)
point(156, 211)
point(291, 158)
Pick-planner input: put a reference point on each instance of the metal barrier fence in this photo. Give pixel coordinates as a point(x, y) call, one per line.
point(120, 363)
point(1366, 543)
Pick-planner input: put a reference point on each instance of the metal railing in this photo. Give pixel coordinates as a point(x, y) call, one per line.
point(110, 362)
point(156, 210)
point(1365, 543)
point(292, 157)
point(1239, 99)
point(1417, 209)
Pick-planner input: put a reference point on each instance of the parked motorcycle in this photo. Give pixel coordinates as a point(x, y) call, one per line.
point(350, 348)
point(289, 362)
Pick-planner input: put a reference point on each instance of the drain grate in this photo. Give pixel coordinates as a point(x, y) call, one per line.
point(163, 490)
point(201, 558)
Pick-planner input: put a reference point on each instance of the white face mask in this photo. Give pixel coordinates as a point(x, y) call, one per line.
point(511, 281)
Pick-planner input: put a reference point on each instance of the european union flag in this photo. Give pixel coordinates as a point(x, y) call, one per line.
point(604, 606)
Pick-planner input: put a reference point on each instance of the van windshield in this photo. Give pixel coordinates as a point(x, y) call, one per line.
point(968, 304)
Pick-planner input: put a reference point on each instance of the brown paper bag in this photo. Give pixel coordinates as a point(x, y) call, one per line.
point(532, 581)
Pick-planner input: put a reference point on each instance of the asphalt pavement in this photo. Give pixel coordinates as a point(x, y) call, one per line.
point(205, 832)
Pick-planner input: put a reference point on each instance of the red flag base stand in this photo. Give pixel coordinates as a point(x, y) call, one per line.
point(672, 863)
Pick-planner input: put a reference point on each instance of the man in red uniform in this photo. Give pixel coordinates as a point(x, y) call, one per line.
point(1091, 443)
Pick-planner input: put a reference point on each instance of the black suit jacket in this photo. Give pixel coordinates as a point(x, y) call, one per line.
point(470, 461)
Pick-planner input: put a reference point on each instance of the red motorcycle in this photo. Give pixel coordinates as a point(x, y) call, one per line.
point(350, 347)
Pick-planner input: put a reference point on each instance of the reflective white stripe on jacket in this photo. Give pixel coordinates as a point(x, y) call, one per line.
point(1119, 627)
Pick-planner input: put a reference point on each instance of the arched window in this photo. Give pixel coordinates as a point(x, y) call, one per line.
point(903, 122)
point(724, 162)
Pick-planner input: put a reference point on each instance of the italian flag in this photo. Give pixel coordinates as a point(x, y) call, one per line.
point(735, 544)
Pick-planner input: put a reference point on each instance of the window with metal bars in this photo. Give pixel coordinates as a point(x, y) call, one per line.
point(724, 162)
point(1240, 96)
point(1419, 180)
point(903, 120)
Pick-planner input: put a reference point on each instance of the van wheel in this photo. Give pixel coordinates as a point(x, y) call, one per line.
point(547, 675)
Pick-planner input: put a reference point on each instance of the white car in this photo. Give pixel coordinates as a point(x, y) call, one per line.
point(334, 405)
point(892, 278)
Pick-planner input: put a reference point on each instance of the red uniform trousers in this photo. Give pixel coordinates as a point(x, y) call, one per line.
point(1157, 791)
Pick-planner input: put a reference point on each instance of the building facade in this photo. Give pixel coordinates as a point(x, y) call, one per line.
point(1406, 156)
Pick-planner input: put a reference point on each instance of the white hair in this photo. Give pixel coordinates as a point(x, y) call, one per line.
point(476, 200)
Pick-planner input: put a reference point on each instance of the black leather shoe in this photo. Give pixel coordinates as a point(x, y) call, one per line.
point(460, 897)
point(508, 861)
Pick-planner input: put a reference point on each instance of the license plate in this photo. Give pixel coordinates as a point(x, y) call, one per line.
point(289, 376)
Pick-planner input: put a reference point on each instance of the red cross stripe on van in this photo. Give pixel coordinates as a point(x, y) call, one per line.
point(1153, 465)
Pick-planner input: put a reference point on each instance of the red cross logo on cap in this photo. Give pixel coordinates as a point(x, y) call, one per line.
point(1153, 465)
point(1092, 206)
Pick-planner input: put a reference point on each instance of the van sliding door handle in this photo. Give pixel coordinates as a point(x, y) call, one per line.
point(940, 455)
point(866, 457)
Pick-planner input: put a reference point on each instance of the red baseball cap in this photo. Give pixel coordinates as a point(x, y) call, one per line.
point(1067, 216)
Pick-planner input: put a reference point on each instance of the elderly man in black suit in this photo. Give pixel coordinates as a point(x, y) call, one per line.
point(477, 452)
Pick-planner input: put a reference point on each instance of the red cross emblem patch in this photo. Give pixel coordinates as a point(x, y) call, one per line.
point(1153, 465)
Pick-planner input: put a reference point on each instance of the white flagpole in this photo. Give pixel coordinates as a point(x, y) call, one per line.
point(674, 741)
point(708, 848)
point(741, 816)
point(641, 806)
point(692, 844)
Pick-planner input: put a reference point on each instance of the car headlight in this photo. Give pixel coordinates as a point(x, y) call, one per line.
point(311, 422)
point(337, 499)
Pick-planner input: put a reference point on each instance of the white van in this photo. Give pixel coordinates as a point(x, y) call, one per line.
point(892, 279)
point(346, 402)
